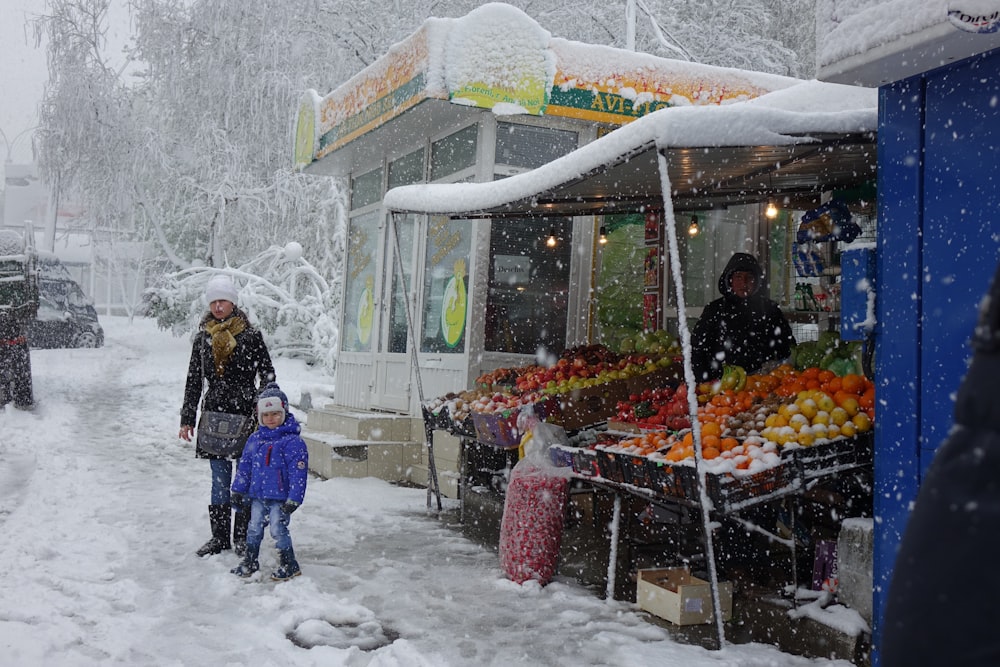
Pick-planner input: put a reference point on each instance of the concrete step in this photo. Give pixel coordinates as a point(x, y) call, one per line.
point(366, 426)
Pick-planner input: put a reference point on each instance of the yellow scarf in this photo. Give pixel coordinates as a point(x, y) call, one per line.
point(224, 340)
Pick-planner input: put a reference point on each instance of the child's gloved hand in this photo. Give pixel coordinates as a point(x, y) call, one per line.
point(237, 499)
point(289, 506)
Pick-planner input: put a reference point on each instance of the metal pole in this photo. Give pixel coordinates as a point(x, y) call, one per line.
point(432, 477)
point(670, 229)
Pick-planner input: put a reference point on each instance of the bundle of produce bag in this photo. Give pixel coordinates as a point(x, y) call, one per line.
point(535, 506)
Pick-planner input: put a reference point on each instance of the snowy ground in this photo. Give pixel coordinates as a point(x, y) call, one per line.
point(102, 508)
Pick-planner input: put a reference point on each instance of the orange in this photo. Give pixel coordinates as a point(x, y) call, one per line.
point(825, 376)
point(710, 442)
point(725, 444)
point(710, 428)
point(853, 383)
point(867, 400)
point(709, 453)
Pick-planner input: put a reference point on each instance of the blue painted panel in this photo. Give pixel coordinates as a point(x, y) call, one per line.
point(938, 246)
point(961, 229)
point(897, 372)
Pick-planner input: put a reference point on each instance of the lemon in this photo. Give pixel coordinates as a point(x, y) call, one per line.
point(808, 408)
point(862, 422)
point(838, 416)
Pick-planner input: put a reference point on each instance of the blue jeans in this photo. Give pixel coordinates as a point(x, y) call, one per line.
point(269, 511)
point(222, 480)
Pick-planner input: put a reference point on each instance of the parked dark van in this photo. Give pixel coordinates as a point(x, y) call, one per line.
point(66, 316)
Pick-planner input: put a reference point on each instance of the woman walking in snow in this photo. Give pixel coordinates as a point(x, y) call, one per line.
point(227, 358)
point(271, 477)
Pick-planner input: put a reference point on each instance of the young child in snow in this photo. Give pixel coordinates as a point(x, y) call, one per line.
point(271, 478)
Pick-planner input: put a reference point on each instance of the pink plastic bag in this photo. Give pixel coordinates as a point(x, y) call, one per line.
point(533, 514)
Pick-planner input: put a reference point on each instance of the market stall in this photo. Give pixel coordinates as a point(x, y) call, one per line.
point(767, 440)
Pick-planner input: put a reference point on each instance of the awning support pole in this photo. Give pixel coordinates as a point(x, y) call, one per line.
point(432, 477)
point(670, 230)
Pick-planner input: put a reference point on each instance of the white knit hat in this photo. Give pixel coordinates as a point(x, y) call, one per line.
point(271, 404)
point(221, 288)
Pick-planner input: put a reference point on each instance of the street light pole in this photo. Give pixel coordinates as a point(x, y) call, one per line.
point(12, 143)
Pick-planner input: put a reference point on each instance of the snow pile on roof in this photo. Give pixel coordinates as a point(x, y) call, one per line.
point(517, 47)
point(783, 117)
point(618, 70)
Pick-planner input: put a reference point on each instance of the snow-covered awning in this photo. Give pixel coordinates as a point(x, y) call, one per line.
point(796, 143)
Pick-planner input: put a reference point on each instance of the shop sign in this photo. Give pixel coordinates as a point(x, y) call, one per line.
point(976, 17)
point(512, 269)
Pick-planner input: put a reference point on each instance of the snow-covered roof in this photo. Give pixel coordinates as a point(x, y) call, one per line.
point(740, 148)
point(498, 58)
point(874, 42)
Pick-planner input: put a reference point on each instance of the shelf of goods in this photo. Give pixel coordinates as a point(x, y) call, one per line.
point(612, 460)
point(762, 436)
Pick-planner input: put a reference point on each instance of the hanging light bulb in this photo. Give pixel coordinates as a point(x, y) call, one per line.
point(551, 241)
point(771, 212)
point(693, 227)
point(603, 235)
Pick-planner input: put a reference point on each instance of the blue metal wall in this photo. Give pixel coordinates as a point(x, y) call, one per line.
point(938, 246)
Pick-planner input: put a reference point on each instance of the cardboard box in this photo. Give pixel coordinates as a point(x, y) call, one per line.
point(591, 405)
point(673, 594)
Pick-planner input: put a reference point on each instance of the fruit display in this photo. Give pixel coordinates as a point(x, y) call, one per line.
point(829, 352)
point(658, 342)
point(655, 407)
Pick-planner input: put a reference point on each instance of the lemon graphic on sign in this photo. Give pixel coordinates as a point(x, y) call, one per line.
point(366, 312)
point(453, 306)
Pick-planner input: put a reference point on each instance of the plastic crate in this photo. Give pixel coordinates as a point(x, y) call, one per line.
point(562, 456)
point(733, 491)
point(609, 463)
point(673, 480)
point(636, 471)
point(833, 457)
point(440, 420)
point(585, 462)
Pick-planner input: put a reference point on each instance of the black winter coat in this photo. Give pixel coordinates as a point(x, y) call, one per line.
point(235, 391)
point(943, 596)
point(739, 332)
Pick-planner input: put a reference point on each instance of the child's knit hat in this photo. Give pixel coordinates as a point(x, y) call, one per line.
point(272, 399)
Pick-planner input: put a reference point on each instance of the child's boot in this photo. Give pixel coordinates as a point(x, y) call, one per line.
point(249, 564)
point(240, 523)
point(288, 567)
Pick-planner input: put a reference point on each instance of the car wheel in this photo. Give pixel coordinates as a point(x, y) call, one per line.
point(85, 339)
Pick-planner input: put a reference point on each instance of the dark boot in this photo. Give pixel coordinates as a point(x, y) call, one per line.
point(219, 517)
point(249, 564)
point(288, 567)
point(240, 522)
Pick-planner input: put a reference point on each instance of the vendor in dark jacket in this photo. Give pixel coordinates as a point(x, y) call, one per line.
point(944, 591)
point(743, 327)
point(227, 358)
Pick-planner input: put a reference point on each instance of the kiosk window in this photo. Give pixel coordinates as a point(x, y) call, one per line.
point(407, 169)
point(366, 189)
point(529, 146)
point(454, 153)
point(359, 300)
point(397, 304)
point(446, 284)
point(528, 301)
